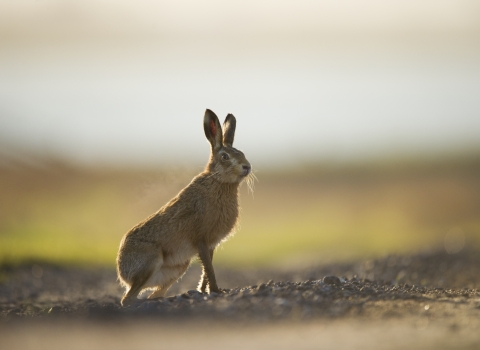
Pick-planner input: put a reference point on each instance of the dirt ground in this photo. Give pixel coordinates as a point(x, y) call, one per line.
point(424, 301)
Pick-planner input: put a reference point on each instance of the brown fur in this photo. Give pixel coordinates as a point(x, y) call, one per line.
point(158, 251)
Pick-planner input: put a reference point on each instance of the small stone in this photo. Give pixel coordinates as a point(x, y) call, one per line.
point(367, 290)
point(14, 312)
point(332, 280)
point(147, 305)
point(263, 286)
point(55, 310)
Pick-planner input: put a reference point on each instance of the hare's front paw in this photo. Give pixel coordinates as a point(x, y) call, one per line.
point(220, 291)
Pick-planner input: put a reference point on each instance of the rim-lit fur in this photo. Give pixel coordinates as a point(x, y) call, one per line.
point(157, 251)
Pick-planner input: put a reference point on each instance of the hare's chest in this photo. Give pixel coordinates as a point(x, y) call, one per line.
point(223, 217)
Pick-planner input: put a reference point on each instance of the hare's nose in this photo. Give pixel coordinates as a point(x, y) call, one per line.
point(246, 170)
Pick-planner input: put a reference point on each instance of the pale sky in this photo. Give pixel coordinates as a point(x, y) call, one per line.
point(113, 81)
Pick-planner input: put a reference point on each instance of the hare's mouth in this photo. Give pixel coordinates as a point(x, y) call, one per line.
point(246, 170)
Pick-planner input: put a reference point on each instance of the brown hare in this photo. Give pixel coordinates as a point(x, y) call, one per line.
point(157, 252)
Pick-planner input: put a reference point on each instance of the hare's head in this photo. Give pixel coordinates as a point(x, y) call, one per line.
point(226, 163)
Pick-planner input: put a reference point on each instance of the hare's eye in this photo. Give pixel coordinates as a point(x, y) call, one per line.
point(225, 156)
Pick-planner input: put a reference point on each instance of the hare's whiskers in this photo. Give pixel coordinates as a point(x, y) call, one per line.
point(214, 174)
point(252, 174)
point(250, 180)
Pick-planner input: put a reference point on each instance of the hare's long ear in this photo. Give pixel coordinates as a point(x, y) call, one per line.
point(229, 130)
point(213, 130)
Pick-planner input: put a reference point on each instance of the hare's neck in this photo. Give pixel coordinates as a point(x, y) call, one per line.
point(218, 188)
point(227, 189)
point(224, 188)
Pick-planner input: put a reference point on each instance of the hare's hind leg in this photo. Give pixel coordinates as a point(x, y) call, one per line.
point(136, 286)
point(138, 280)
point(161, 291)
point(170, 274)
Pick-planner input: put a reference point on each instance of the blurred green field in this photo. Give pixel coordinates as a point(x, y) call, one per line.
point(65, 214)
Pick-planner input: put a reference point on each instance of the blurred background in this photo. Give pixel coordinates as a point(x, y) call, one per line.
point(361, 120)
